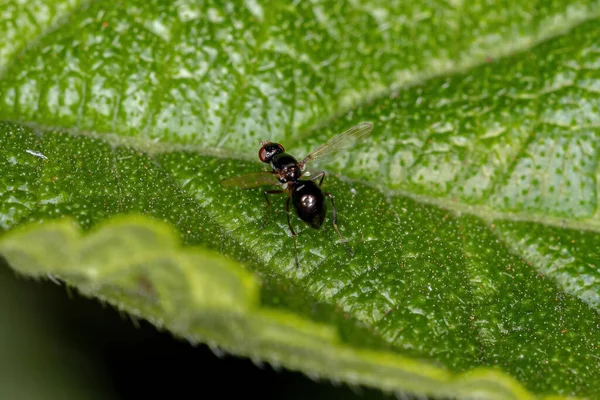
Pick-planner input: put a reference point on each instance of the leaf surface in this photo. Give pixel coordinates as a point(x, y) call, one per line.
point(471, 209)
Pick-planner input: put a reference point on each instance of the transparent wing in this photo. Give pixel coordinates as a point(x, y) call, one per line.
point(342, 142)
point(251, 180)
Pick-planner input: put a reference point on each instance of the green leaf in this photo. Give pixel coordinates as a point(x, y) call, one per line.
point(471, 209)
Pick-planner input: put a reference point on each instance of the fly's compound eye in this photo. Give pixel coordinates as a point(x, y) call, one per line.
point(262, 154)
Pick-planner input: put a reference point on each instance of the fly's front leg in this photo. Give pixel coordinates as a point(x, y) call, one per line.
point(266, 193)
point(319, 175)
point(294, 234)
point(335, 224)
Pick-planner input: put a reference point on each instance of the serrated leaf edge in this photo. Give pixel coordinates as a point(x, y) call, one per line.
point(177, 280)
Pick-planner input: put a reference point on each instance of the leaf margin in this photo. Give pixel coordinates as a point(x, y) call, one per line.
point(389, 372)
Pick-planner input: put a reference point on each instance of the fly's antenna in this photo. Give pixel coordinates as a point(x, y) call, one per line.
point(263, 142)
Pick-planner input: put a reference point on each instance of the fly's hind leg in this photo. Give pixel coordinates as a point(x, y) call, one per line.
point(335, 224)
point(294, 234)
point(319, 175)
point(266, 193)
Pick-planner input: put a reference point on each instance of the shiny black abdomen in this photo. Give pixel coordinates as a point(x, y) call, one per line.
point(309, 201)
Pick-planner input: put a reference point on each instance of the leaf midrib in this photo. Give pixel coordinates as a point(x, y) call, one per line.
point(485, 213)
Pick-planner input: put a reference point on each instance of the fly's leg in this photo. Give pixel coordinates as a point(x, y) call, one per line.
point(322, 176)
point(335, 224)
point(267, 192)
point(294, 234)
point(319, 175)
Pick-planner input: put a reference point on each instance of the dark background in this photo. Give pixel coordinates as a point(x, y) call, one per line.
point(57, 344)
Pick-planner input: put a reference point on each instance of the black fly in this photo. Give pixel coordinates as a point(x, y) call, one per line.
point(307, 197)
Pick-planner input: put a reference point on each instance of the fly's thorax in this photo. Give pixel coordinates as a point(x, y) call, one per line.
point(287, 167)
point(283, 160)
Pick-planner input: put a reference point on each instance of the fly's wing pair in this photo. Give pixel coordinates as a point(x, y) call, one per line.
point(343, 142)
point(338, 144)
point(251, 180)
